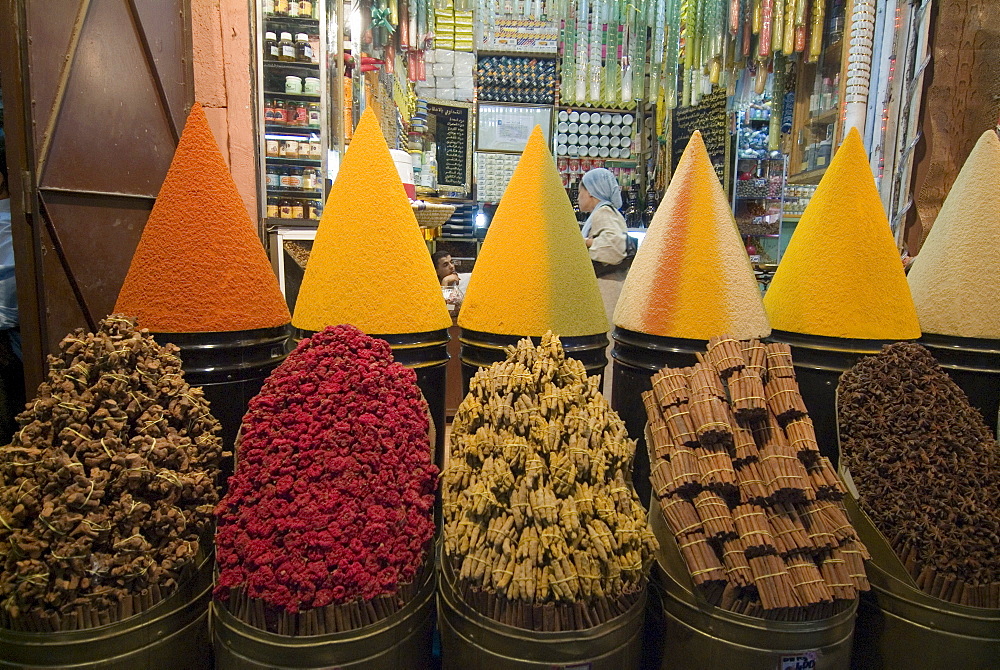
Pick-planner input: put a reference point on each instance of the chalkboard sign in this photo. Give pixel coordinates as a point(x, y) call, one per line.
point(451, 123)
point(708, 116)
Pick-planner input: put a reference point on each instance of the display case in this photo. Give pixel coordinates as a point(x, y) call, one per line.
point(292, 115)
point(758, 191)
point(819, 111)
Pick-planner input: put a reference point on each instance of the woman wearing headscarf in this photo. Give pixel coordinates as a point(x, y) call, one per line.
point(607, 240)
point(604, 230)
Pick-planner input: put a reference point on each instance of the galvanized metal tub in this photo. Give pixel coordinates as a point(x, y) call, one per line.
point(471, 641)
point(900, 626)
point(173, 629)
point(696, 634)
point(402, 640)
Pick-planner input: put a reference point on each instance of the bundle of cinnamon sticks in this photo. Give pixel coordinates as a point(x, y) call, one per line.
point(334, 618)
point(754, 508)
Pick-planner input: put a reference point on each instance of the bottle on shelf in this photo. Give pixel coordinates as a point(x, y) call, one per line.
point(271, 50)
point(285, 208)
point(631, 211)
point(647, 214)
point(293, 8)
point(273, 211)
point(307, 9)
point(267, 8)
point(430, 168)
point(286, 48)
point(303, 50)
point(313, 110)
point(297, 209)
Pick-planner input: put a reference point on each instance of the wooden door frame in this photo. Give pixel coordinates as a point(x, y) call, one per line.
point(23, 197)
point(28, 218)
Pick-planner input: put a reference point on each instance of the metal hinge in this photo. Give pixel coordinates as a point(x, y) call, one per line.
point(27, 192)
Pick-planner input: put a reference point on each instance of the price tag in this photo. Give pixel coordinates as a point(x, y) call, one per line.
point(804, 661)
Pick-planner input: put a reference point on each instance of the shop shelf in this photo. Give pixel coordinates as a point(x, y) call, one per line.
point(293, 20)
point(807, 177)
point(825, 118)
point(293, 96)
point(282, 160)
point(273, 129)
point(292, 193)
point(282, 65)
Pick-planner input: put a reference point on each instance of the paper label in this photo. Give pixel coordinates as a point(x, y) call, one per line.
point(804, 661)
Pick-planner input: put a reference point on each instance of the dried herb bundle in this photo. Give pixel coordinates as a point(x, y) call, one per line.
point(758, 520)
point(542, 524)
point(928, 471)
point(109, 485)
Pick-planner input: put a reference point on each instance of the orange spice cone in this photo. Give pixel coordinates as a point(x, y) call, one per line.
point(369, 265)
point(533, 273)
point(955, 279)
point(841, 275)
point(691, 278)
point(200, 266)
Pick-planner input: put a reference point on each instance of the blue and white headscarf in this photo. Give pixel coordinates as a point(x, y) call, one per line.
point(602, 184)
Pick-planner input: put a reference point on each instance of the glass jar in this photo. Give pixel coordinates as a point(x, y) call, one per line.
point(284, 178)
point(273, 178)
point(301, 114)
point(297, 209)
point(315, 152)
point(303, 51)
point(313, 110)
point(315, 209)
point(293, 7)
point(295, 178)
point(272, 148)
point(279, 114)
point(285, 209)
point(286, 48)
point(273, 210)
point(281, 7)
point(271, 50)
point(291, 148)
point(306, 9)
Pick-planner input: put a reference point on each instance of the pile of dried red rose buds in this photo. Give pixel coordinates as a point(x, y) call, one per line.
point(333, 494)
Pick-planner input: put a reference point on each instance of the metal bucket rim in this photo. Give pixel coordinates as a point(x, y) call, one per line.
point(847, 345)
point(243, 629)
point(925, 601)
point(658, 343)
point(975, 345)
point(455, 601)
point(402, 340)
point(224, 338)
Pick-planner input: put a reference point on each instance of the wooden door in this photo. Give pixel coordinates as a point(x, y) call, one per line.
point(96, 94)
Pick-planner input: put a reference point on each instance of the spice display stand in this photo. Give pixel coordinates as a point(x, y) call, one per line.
point(484, 349)
point(230, 368)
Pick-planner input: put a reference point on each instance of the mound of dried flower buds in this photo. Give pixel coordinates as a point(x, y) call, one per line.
point(333, 495)
point(108, 485)
point(542, 524)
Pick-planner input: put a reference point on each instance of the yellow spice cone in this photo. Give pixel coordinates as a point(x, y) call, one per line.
point(841, 275)
point(533, 273)
point(955, 279)
point(691, 277)
point(200, 266)
point(369, 265)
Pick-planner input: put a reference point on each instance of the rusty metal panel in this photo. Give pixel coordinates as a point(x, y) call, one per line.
point(52, 24)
